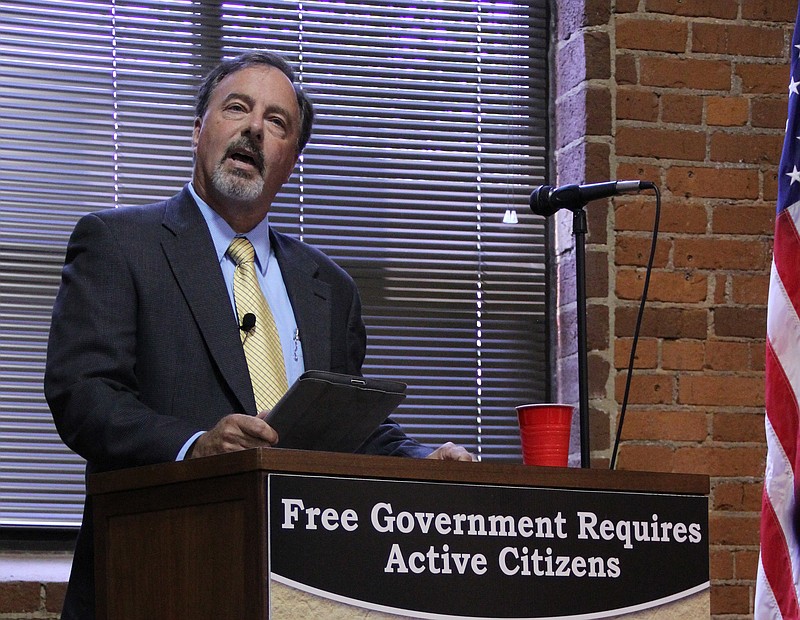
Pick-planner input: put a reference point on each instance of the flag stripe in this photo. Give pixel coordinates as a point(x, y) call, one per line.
point(783, 384)
point(777, 569)
point(777, 531)
point(765, 604)
point(786, 251)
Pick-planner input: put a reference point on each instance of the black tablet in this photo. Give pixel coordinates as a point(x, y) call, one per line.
point(333, 412)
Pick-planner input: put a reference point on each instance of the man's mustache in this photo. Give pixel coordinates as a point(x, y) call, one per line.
point(248, 147)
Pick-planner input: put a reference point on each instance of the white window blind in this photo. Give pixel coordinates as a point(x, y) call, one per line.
point(431, 124)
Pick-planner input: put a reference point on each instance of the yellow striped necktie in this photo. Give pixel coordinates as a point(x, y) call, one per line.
point(262, 345)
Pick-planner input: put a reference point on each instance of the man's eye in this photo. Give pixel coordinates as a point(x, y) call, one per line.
point(277, 121)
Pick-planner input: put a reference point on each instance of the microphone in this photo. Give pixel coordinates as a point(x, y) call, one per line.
point(248, 322)
point(546, 200)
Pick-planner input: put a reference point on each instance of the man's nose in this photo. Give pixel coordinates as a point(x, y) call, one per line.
point(255, 127)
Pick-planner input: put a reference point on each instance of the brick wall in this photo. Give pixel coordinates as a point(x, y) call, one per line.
point(692, 95)
point(28, 600)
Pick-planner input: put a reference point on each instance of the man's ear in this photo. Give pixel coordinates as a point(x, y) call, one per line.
point(198, 125)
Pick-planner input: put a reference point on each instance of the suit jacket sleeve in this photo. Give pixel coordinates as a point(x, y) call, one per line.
point(91, 378)
point(129, 375)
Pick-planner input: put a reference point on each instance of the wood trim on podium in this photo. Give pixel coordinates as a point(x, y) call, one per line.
point(190, 539)
point(301, 461)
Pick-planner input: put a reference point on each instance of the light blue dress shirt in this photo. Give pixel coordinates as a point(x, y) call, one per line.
point(269, 277)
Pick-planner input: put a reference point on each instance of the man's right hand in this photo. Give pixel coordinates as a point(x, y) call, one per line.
point(234, 432)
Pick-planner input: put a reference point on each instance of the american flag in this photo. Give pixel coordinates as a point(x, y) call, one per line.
point(779, 561)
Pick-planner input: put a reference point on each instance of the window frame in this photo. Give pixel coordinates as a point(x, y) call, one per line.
point(86, 141)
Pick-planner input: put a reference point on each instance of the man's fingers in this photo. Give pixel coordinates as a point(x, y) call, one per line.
point(451, 452)
point(257, 428)
point(235, 432)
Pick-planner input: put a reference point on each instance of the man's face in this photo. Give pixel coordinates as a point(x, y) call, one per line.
point(246, 143)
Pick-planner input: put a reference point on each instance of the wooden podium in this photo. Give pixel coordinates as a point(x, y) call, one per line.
point(194, 539)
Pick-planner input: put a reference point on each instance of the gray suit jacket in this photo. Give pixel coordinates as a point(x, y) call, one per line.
point(144, 350)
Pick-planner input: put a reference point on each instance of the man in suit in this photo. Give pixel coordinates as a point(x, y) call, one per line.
point(145, 359)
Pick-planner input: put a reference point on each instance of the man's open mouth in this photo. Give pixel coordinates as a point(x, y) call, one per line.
point(242, 152)
point(245, 158)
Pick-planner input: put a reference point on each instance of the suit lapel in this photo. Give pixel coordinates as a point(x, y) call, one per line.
point(191, 255)
point(310, 298)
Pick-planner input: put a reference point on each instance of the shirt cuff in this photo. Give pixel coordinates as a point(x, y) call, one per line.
point(187, 445)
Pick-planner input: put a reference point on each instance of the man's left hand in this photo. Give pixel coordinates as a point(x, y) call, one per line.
point(451, 452)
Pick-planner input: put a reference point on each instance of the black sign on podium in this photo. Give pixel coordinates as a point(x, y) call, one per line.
point(440, 550)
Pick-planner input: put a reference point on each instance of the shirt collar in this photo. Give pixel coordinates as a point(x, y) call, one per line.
point(222, 234)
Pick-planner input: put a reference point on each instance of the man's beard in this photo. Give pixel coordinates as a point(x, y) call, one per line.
point(236, 184)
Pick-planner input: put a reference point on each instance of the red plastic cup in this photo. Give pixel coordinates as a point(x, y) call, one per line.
point(544, 433)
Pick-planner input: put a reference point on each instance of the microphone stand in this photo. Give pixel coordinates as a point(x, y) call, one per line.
point(579, 230)
point(546, 201)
